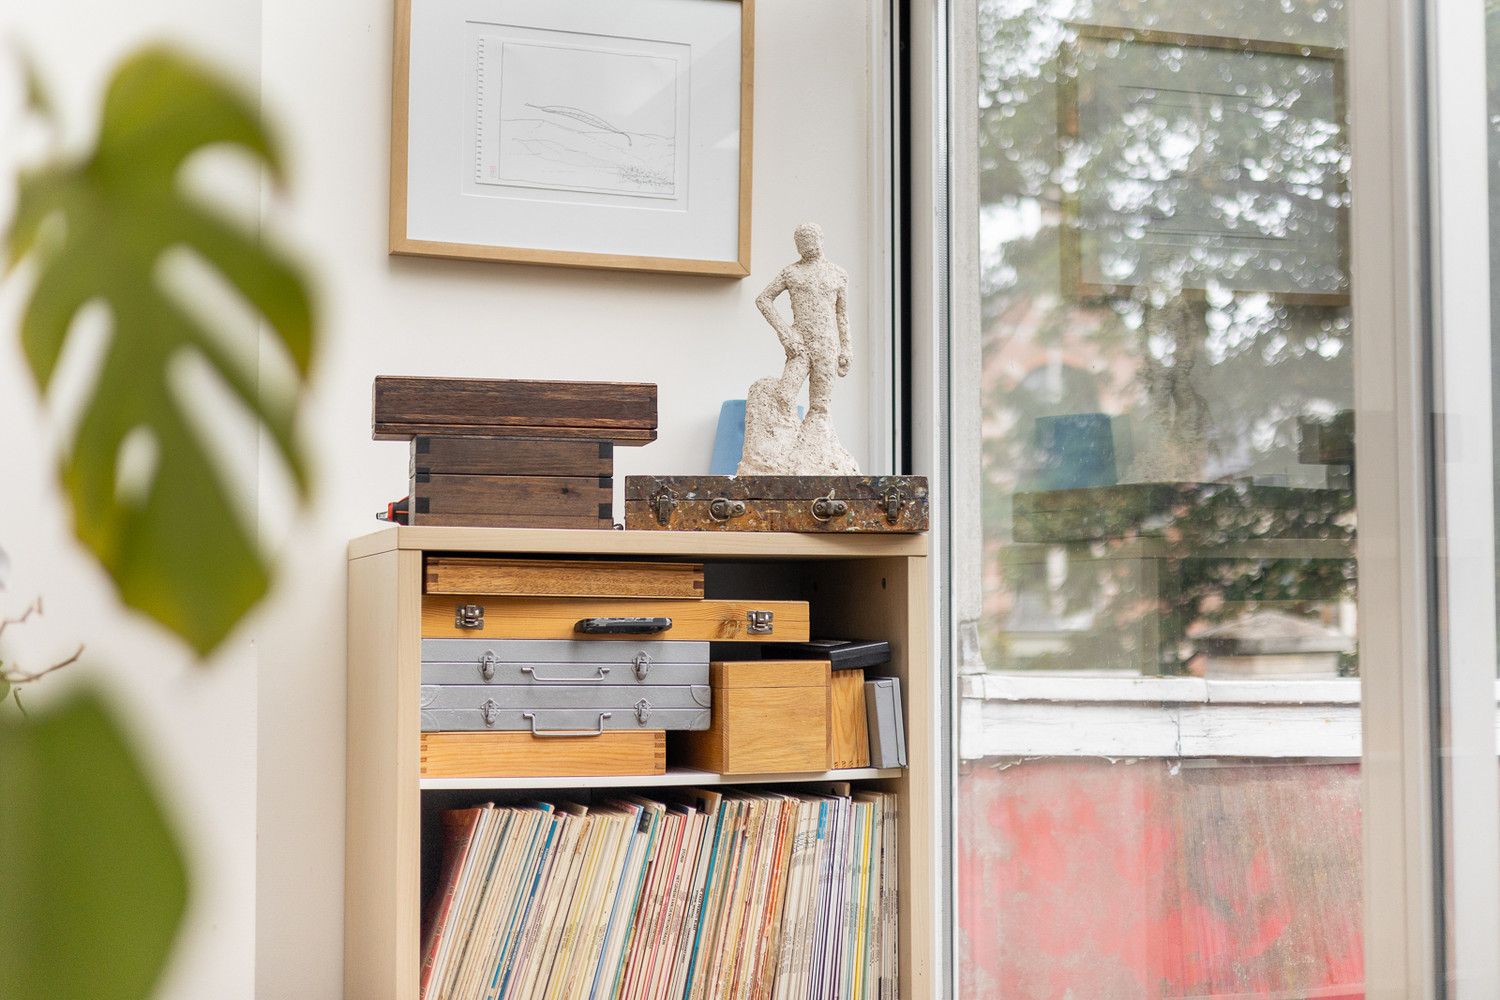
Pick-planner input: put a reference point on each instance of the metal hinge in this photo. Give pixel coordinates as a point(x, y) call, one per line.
point(469, 616)
point(761, 622)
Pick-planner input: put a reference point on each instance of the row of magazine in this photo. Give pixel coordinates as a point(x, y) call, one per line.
point(707, 895)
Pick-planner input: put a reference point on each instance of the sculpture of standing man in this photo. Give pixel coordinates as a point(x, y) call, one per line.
point(816, 342)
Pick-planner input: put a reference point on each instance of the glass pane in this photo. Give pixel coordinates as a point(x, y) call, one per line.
point(1167, 354)
point(1157, 792)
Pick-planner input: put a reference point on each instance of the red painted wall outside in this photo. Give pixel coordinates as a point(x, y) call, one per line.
point(1091, 880)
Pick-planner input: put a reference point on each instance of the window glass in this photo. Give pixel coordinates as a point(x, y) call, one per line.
point(1159, 793)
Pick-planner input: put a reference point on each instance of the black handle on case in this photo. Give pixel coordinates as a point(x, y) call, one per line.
point(623, 626)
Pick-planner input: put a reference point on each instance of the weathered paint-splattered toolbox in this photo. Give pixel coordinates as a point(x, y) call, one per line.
point(823, 504)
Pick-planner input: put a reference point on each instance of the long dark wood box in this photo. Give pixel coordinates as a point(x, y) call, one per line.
point(405, 407)
point(776, 503)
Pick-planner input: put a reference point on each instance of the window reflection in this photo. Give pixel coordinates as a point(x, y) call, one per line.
point(1167, 381)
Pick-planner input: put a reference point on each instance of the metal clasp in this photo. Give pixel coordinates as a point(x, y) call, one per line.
point(642, 663)
point(489, 710)
point(662, 504)
point(723, 509)
point(827, 508)
point(642, 712)
point(894, 498)
point(761, 622)
point(469, 616)
point(487, 665)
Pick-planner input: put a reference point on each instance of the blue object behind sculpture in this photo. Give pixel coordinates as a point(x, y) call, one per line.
point(729, 439)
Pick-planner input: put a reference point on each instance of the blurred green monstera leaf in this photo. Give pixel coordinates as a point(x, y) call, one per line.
point(92, 883)
point(100, 228)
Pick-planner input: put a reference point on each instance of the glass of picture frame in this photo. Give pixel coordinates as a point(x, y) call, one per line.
point(583, 133)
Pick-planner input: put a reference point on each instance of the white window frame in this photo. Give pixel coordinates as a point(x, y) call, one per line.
point(1422, 939)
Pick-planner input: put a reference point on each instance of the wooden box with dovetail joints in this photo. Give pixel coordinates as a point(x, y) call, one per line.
point(503, 453)
point(769, 716)
point(817, 504)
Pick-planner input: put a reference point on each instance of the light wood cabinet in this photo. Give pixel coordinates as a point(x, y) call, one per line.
point(857, 586)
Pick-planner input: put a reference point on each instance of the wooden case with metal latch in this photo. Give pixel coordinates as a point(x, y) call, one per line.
point(463, 616)
point(776, 503)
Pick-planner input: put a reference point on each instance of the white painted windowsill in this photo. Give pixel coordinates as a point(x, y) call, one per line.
point(1040, 715)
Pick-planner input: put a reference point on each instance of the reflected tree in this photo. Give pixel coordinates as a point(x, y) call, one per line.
point(1162, 214)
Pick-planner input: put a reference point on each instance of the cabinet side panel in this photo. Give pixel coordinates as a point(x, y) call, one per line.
point(886, 598)
point(382, 806)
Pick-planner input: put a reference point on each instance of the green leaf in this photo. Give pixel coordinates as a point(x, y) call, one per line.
point(92, 884)
point(97, 228)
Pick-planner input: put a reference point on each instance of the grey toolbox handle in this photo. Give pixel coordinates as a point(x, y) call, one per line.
point(539, 679)
point(566, 733)
point(623, 626)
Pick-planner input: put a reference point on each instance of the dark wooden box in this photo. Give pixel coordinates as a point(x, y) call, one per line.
point(512, 501)
point(507, 456)
point(405, 407)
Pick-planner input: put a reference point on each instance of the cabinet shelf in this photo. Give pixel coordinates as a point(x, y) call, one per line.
point(674, 777)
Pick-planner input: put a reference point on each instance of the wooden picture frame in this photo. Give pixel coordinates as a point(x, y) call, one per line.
point(732, 201)
point(1077, 278)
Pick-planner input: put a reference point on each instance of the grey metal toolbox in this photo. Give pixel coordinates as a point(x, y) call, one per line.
point(570, 709)
point(526, 662)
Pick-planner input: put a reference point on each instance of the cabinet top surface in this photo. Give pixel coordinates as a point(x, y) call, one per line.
point(707, 544)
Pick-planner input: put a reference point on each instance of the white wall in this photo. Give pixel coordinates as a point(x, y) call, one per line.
point(326, 73)
point(250, 750)
point(194, 723)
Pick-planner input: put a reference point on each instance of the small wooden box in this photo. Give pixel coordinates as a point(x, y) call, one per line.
point(769, 716)
point(534, 499)
point(522, 755)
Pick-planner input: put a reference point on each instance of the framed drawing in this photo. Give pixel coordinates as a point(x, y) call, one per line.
point(583, 133)
point(1195, 161)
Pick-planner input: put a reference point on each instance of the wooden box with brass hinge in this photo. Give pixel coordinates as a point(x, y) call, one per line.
point(832, 504)
point(769, 716)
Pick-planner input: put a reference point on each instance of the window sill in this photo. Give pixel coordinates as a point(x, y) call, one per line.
point(1042, 715)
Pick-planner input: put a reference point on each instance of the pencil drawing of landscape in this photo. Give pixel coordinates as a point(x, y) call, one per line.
point(586, 119)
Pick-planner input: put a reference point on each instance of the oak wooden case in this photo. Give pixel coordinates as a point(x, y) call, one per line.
point(769, 715)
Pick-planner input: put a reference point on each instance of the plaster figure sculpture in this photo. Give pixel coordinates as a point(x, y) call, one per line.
point(816, 342)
